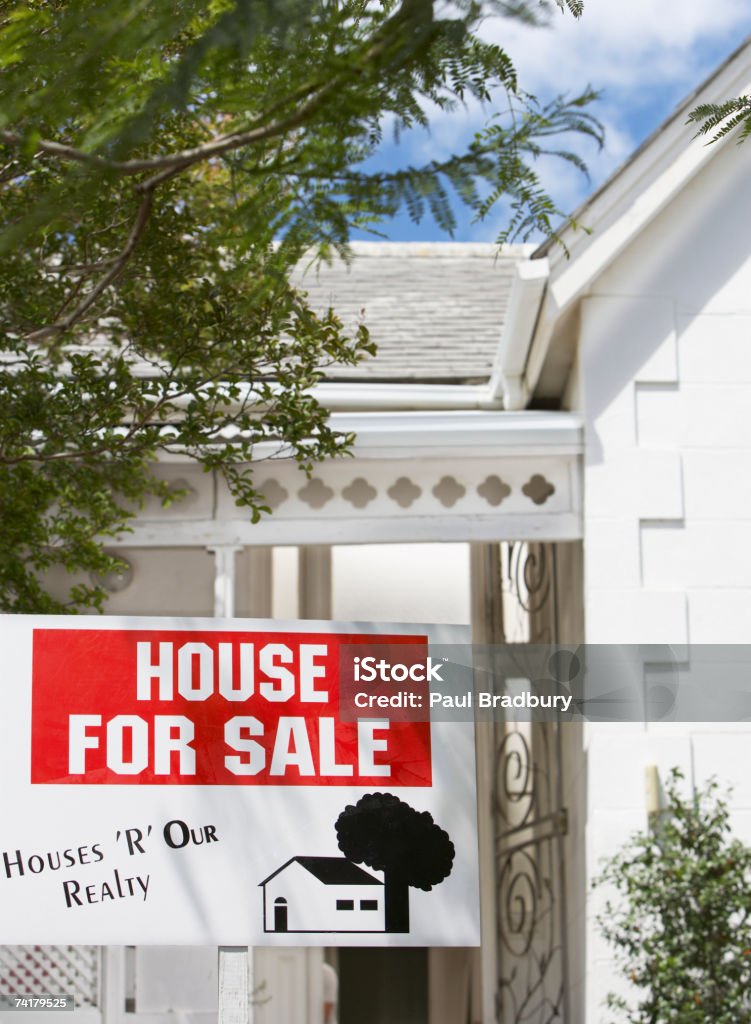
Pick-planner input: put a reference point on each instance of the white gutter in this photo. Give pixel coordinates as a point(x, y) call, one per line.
point(361, 395)
point(453, 434)
point(466, 434)
point(508, 380)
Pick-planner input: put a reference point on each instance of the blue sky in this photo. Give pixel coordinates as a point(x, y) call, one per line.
point(644, 56)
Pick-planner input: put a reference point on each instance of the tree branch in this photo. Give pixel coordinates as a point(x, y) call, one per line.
point(170, 166)
point(118, 263)
point(166, 165)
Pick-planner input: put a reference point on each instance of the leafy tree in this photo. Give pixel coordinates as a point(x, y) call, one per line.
point(733, 115)
point(388, 835)
point(163, 167)
point(681, 920)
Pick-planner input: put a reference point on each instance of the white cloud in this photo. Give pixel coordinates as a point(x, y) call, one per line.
point(643, 55)
point(621, 45)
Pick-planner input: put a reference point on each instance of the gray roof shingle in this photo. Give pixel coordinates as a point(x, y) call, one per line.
point(434, 310)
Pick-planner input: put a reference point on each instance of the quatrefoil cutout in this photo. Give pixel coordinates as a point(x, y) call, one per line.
point(359, 493)
point(315, 493)
point(404, 492)
point(538, 489)
point(494, 490)
point(449, 491)
point(273, 492)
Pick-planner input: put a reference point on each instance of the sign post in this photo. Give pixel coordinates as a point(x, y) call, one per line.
point(235, 962)
point(235, 984)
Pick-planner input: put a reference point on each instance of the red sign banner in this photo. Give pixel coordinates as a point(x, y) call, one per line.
point(170, 707)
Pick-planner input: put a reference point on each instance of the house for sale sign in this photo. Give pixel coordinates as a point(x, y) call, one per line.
point(232, 783)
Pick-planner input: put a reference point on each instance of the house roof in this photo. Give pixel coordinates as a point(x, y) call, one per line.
point(617, 212)
point(436, 311)
point(330, 871)
point(451, 322)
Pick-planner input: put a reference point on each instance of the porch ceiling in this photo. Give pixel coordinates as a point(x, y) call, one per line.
point(453, 476)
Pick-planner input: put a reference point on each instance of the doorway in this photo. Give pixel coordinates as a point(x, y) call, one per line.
point(383, 985)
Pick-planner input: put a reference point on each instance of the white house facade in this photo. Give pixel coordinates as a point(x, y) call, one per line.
point(548, 448)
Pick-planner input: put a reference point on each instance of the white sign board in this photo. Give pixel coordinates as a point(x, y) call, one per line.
point(174, 781)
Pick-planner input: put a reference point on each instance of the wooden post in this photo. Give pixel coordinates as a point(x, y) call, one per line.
point(235, 962)
point(487, 628)
point(235, 985)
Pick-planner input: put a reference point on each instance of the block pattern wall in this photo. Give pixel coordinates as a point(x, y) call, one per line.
point(634, 471)
point(664, 375)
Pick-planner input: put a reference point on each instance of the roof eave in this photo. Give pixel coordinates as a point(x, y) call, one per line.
point(631, 198)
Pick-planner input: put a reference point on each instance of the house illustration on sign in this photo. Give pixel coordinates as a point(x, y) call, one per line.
point(322, 894)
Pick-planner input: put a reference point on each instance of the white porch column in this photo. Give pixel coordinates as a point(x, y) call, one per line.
point(224, 579)
point(314, 582)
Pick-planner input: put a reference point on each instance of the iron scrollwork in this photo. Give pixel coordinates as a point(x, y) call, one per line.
point(530, 825)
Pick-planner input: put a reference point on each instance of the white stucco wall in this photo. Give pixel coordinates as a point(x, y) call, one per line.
point(664, 380)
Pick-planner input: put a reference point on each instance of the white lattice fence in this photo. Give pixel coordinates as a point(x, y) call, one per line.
point(57, 970)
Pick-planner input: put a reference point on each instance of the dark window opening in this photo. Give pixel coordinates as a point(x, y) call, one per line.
point(368, 904)
point(383, 985)
point(345, 904)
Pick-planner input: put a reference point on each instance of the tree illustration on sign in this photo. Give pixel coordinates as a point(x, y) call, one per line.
point(388, 835)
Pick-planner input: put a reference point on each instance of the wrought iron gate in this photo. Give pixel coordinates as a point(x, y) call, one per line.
point(530, 817)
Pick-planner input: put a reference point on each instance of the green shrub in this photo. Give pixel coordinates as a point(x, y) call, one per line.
point(679, 915)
